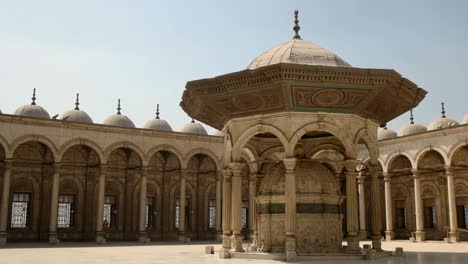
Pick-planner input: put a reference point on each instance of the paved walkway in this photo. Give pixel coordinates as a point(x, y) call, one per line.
point(154, 253)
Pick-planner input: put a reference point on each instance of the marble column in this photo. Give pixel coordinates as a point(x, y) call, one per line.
point(290, 207)
point(351, 206)
point(142, 235)
point(252, 210)
point(454, 233)
point(219, 193)
point(420, 235)
point(5, 202)
point(376, 219)
point(54, 195)
point(100, 204)
point(389, 233)
point(361, 179)
point(182, 205)
point(227, 195)
point(236, 203)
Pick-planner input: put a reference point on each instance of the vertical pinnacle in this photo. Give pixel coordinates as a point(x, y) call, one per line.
point(34, 97)
point(411, 117)
point(118, 107)
point(443, 110)
point(296, 27)
point(157, 111)
point(77, 102)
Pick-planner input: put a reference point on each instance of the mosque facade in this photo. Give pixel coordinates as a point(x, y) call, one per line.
point(67, 178)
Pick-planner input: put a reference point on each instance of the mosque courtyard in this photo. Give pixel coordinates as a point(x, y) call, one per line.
point(128, 253)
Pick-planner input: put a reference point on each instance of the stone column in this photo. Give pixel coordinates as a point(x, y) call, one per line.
point(54, 194)
point(8, 168)
point(351, 206)
point(252, 210)
point(389, 234)
point(142, 235)
point(100, 205)
point(454, 234)
point(236, 203)
point(224, 252)
point(361, 179)
point(290, 207)
point(376, 219)
point(420, 235)
point(182, 224)
point(219, 193)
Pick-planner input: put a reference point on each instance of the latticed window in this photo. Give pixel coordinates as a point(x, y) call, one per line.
point(110, 212)
point(244, 213)
point(66, 211)
point(177, 213)
point(401, 218)
point(465, 207)
point(212, 213)
point(20, 210)
point(149, 221)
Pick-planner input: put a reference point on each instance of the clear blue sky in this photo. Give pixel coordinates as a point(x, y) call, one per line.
point(145, 51)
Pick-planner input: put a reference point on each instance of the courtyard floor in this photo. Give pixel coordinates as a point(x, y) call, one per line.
point(129, 253)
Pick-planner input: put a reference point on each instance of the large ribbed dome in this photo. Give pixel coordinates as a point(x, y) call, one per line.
point(194, 128)
point(32, 110)
point(119, 119)
point(385, 133)
point(298, 51)
point(77, 115)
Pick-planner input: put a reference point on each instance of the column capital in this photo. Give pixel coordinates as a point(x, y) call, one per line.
point(387, 176)
point(252, 176)
point(416, 173)
point(351, 164)
point(289, 164)
point(227, 173)
point(219, 175)
point(361, 179)
point(103, 168)
point(236, 168)
point(448, 170)
point(8, 163)
point(374, 170)
point(57, 167)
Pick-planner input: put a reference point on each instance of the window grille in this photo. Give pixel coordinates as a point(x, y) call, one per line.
point(65, 214)
point(212, 213)
point(20, 210)
point(110, 211)
point(149, 221)
point(244, 214)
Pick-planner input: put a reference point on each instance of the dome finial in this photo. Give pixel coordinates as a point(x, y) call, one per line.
point(443, 109)
point(411, 117)
point(118, 107)
point(193, 120)
point(77, 102)
point(34, 97)
point(296, 27)
point(157, 111)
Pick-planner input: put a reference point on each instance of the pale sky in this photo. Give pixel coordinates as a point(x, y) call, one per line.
point(145, 51)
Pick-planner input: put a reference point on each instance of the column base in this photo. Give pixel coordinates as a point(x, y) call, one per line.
point(290, 248)
point(237, 243)
point(454, 236)
point(389, 235)
point(143, 237)
point(224, 254)
point(182, 237)
point(254, 246)
point(219, 236)
point(377, 242)
point(100, 239)
point(226, 239)
point(420, 236)
point(362, 234)
point(53, 239)
point(3, 239)
point(353, 245)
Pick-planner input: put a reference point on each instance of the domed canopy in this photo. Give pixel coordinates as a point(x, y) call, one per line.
point(385, 133)
point(194, 128)
point(77, 115)
point(32, 110)
point(298, 51)
point(157, 124)
point(411, 128)
point(119, 119)
point(442, 122)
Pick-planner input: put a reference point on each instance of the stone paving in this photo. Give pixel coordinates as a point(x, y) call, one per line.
point(129, 253)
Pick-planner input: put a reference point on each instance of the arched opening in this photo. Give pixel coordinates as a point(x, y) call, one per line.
point(459, 162)
point(29, 208)
point(76, 209)
point(124, 173)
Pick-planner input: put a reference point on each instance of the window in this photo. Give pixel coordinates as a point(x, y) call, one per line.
point(177, 213)
point(110, 212)
point(20, 210)
point(212, 213)
point(465, 207)
point(149, 212)
point(244, 213)
point(66, 213)
point(401, 218)
point(462, 216)
point(430, 217)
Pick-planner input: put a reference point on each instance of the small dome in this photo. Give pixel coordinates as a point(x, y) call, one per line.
point(465, 119)
point(77, 115)
point(385, 133)
point(218, 133)
point(119, 119)
point(194, 128)
point(411, 129)
point(441, 123)
point(32, 110)
point(158, 124)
